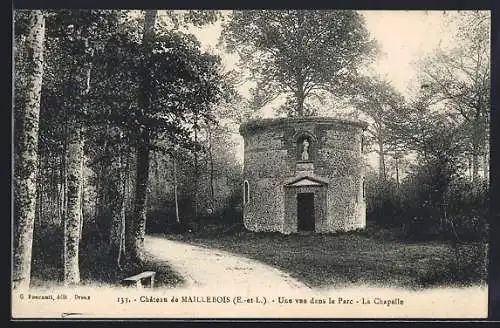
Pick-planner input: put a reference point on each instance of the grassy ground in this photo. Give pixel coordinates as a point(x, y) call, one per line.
point(372, 257)
point(342, 259)
point(96, 267)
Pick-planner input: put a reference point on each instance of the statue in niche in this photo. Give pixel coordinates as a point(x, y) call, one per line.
point(305, 151)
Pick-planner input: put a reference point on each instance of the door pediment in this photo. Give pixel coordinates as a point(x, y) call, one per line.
point(305, 182)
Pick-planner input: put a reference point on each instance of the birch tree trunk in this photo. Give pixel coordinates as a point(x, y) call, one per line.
point(63, 170)
point(25, 179)
point(82, 192)
point(72, 224)
point(73, 212)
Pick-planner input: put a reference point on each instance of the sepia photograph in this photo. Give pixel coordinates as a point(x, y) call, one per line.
point(252, 164)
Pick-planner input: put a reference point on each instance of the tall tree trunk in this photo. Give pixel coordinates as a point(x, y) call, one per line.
point(72, 224)
point(59, 189)
point(196, 169)
point(475, 164)
point(476, 149)
point(486, 154)
point(64, 172)
point(82, 193)
point(137, 231)
point(149, 26)
point(101, 200)
point(25, 182)
point(39, 194)
point(127, 227)
point(122, 249)
point(299, 77)
point(73, 210)
point(396, 158)
point(157, 189)
point(300, 104)
point(130, 183)
point(486, 163)
point(117, 204)
point(211, 158)
point(135, 238)
point(381, 164)
point(469, 166)
point(177, 218)
point(300, 96)
point(54, 189)
point(126, 195)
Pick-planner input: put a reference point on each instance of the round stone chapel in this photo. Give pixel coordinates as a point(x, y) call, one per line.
point(303, 175)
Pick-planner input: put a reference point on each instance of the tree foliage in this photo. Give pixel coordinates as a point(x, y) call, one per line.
point(380, 102)
point(458, 77)
point(298, 53)
point(142, 103)
point(95, 67)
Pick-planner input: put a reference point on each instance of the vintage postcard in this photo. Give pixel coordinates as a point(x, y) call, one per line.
point(302, 164)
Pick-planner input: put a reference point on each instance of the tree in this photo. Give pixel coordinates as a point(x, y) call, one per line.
point(142, 170)
point(127, 59)
point(437, 139)
point(110, 141)
point(219, 162)
point(459, 77)
point(117, 198)
point(75, 157)
point(377, 99)
point(435, 136)
point(91, 121)
point(299, 53)
point(79, 33)
point(27, 143)
point(173, 80)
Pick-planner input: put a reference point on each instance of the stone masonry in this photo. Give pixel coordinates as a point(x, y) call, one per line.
point(321, 186)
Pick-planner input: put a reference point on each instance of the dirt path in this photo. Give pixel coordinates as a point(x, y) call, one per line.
point(210, 268)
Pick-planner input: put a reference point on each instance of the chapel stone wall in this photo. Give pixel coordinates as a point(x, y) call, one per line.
point(272, 156)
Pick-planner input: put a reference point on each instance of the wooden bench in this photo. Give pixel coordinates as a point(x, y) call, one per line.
point(136, 281)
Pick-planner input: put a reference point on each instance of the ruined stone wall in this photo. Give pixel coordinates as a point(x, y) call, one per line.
point(271, 155)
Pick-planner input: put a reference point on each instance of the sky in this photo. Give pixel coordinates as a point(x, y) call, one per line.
point(404, 37)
